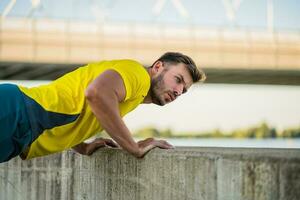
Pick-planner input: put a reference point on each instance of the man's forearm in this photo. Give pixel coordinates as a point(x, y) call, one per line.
point(106, 111)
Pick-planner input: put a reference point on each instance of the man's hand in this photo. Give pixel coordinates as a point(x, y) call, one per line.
point(90, 148)
point(146, 145)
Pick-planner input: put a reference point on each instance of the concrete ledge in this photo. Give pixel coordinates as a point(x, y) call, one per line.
point(183, 173)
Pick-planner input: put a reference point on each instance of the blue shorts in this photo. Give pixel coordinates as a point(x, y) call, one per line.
point(15, 130)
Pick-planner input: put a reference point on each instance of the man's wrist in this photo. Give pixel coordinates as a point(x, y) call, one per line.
point(138, 153)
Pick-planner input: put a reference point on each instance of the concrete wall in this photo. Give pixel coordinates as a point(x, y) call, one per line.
point(183, 173)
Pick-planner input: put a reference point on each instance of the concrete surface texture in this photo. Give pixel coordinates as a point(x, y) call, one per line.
point(182, 173)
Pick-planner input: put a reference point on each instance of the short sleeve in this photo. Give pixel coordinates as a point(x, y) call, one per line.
point(135, 77)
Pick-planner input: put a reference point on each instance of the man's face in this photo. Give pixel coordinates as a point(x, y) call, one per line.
point(169, 82)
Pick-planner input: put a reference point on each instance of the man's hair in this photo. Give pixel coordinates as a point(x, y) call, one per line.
point(175, 58)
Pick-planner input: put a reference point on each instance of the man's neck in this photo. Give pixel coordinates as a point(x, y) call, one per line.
point(148, 98)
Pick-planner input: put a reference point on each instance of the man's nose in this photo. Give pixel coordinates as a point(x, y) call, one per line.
point(178, 91)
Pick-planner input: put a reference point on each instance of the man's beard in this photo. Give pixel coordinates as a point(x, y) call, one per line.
point(157, 86)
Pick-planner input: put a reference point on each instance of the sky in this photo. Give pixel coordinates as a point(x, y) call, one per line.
point(250, 14)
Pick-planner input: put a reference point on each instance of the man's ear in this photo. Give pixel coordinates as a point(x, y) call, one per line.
point(157, 67)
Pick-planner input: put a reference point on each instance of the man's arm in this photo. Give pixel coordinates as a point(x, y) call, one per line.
point(104, 95)
point(89, 148)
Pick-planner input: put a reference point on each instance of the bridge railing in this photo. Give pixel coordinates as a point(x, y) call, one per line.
point(56, 41)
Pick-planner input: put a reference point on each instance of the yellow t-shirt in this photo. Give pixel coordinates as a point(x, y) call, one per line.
point(59, 113)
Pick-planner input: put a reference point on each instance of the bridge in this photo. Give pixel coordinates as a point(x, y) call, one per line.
point(45, 48)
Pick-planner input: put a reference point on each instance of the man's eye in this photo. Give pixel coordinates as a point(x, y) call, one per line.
point(178, 80)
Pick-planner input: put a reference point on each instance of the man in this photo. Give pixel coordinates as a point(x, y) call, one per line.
point(51, 118)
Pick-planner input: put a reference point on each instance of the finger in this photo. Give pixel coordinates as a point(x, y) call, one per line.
point(98, 140)
point(98, 143)
point(111, 143)
point(160, 145)
point(92, 147)
point(146, 142)
point(168, 144)
point(163, 145)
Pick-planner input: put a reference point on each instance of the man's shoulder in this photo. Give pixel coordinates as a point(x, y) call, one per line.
point(134, 75)
point(129, 62)
point(130, 67)
point(117, 63)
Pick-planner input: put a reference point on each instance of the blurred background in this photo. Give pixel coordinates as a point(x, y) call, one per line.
point(249, 49)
